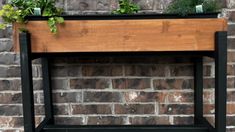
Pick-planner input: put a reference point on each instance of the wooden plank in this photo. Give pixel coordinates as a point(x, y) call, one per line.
point(125, 35)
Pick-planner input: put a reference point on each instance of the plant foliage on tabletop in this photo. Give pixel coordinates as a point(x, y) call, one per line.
point(185, 7)
point(126, 7)
point(17, 10)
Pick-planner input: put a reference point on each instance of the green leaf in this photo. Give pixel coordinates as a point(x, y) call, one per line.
point(3, 26)
point(59, 20)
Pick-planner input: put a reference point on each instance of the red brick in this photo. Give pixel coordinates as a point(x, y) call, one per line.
point(143, 83)
point(11, 122)
point(231, 96)
point(102, 70)
point(91, 109)
point(102, 97)
point(69, 121)
point(67, 97)
point(141, 96)
point(181, 70)
point(134, 109)
point(176, 97)
point(150, 120)
point(106, 120)
point(89, 83)
point(164, 84)
point(176, 109)
point(183, 120)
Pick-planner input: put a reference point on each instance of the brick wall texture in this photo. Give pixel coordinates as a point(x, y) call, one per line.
point(114, 90)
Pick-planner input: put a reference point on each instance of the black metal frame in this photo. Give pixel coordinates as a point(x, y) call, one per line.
point(200, 125)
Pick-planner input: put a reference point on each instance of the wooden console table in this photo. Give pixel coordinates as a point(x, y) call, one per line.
point(217, 50)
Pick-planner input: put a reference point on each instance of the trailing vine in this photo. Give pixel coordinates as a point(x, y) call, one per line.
point(17, 10)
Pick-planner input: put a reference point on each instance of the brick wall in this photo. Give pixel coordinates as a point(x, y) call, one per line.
point(114, 90)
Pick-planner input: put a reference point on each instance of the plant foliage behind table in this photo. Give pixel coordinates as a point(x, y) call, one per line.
point(17, 10)
point(184, 7)
point(126, 7)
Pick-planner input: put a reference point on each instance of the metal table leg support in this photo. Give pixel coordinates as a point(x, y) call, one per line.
point(198, 90)
point(27, 82)
point(220, 81)
point(47, 91)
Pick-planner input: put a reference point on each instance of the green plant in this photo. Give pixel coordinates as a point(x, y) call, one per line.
point(185, 7)
point(17, 10)
point(126, 7)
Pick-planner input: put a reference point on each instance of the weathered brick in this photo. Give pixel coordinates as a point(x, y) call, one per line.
point(91, 109)
point(11, 122)
point(60, 84)
point(74, 71)
point(103, 5)
point(183, 120)
point(231, 41)
point(39, 110)
point(6, 33)
point(208, 109)
point(10, 110)
point(230, 108)
point(138, 70)
point(69, 120)
point(165, 84)
point(231, 29)
point(230, 3)
point(61, 109)
point(141, 96)
point(176, 109)
point(126, 83)
point(231, 16)
point(230, 120)
point(102, 70)
point(161, 4)
point(134, 109)
point(106, 120)
point(161, 70)
point(145, 4)
point(231, 96)
point(102, 97)
point(81, 5)
point(176, 97)
point(37, 84)
point(7, 98)
point(230, 69)
point(12, 71)
point(59, 71)
point(208, 83)
point(67, 97)
point(182, 70)
point(8, 58)
point(231, 56)
point(89, 83)
point(230, 130)
point(60, 3)
point(6, 85)
point(208, 97)
point(231, 82)
point(155, 120)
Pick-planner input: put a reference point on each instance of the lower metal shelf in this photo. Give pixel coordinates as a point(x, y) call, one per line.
point(163, 128)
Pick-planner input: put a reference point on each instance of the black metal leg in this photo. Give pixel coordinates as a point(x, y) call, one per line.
point(27, 82)
point(198, 90)
point(47, 91)
point(220, 81)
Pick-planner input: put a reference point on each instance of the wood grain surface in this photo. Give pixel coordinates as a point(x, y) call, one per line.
point(124, 35)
